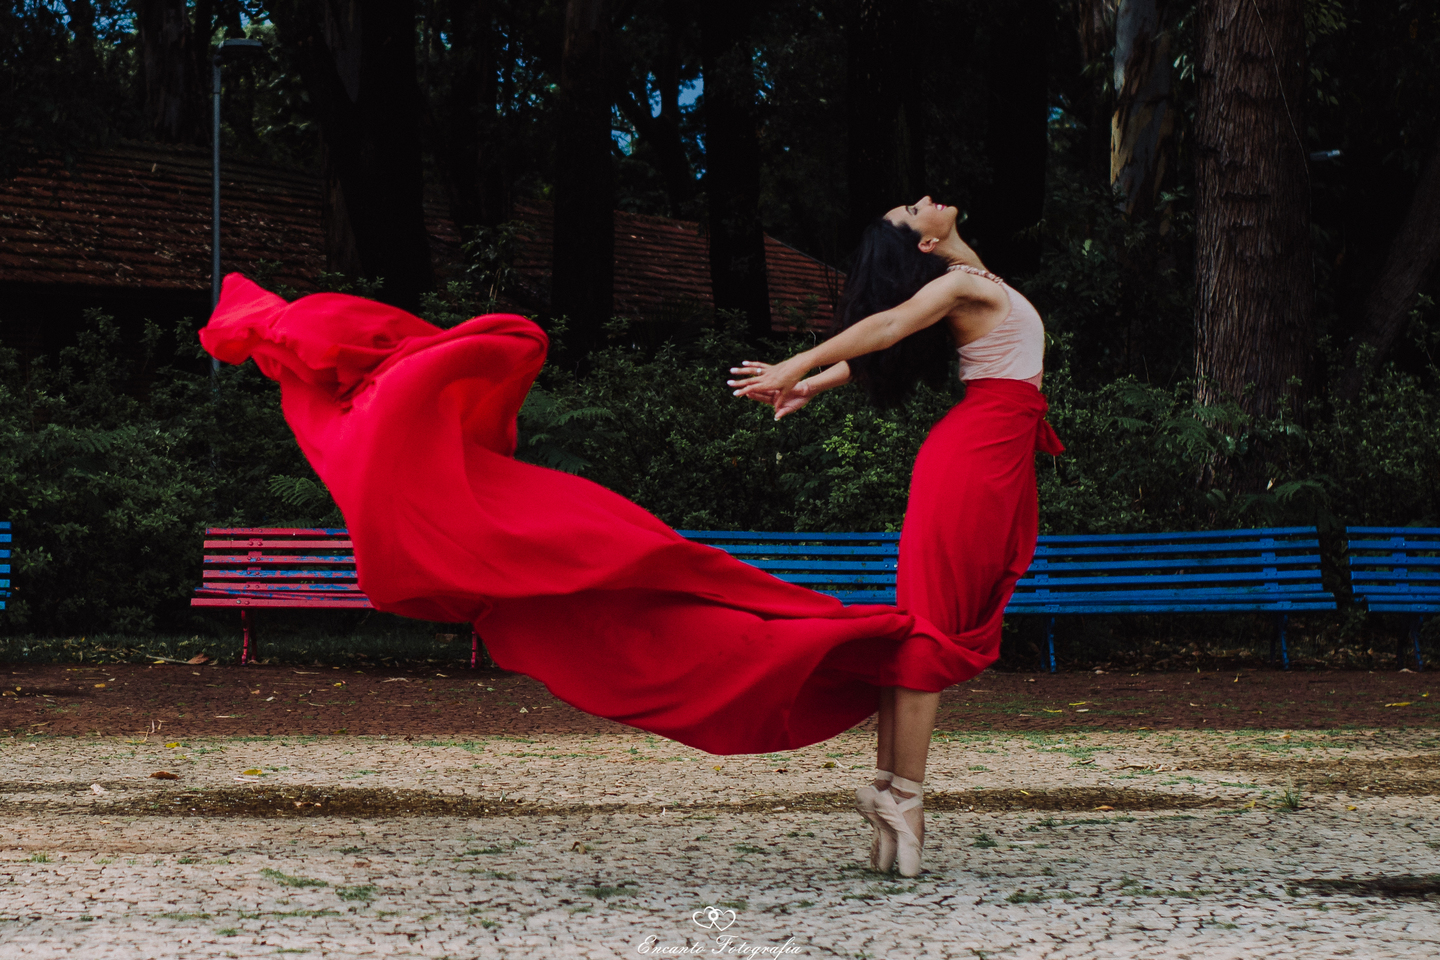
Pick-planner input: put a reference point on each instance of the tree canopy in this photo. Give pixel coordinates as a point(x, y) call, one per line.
point(1216, 188)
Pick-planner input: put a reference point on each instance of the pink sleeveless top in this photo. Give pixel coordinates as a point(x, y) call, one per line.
point(1014, 350)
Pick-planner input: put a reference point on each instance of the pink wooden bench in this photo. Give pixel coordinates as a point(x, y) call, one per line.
point(288, 567)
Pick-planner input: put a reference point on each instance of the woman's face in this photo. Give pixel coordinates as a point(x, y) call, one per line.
point(933, 221)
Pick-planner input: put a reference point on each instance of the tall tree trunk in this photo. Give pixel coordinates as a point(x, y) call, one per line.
point(1411, 260)
point(660, 133)
point(885, 143)
point(1016, 137)
point(173, 95)
point(469, 155)
point(583, 277)
point(732, 164)
point(1144, 120)
point(1253, 274)
point(1095, 30)
point(357, 59)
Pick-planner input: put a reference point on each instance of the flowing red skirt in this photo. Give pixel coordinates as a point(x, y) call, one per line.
point(412, 429)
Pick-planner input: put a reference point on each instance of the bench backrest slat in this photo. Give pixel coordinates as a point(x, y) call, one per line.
point(1267, 569)
point(279, 566)
point(1395, 569)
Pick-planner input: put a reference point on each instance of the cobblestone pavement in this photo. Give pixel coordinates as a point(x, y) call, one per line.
point(1243, 845)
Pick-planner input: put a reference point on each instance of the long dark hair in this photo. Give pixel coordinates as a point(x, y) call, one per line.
point(887, 270)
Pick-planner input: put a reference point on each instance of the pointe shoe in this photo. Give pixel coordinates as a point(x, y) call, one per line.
point(883, 844)
point(891, 810)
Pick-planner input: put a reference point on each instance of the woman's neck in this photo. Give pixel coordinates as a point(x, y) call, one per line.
point(955, 250)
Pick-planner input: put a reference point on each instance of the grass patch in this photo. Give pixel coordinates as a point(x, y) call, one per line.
point(285, 880)
point(365, 892)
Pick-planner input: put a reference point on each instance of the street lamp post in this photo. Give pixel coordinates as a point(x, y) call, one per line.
point(225, 51)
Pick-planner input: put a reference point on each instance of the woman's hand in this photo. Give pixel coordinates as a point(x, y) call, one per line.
point(767, 383)
point(794, 400)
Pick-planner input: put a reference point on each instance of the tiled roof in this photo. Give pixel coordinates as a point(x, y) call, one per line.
point(138, 217)
point(662, 269)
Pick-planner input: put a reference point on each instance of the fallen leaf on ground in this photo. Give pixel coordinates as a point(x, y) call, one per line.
point(99, 686)
point(97, 789)
point(396, 680)
point(1104, 808)
point(1402, 703)
point(1048, 710)
point(198, 659)
point(164, 775)
point(1080, 704)
point(172, 745)
point(252, 772)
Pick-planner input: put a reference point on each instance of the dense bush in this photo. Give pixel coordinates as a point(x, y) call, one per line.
point(111, 469)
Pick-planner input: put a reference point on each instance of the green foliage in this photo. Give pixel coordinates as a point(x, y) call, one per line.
point(111, 467)
point(64, 79)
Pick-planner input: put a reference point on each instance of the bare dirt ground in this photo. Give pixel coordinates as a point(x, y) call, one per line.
point(229, 701)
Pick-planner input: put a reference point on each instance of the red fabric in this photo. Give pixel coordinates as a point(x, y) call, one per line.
point(972, 519)
point(412, 428)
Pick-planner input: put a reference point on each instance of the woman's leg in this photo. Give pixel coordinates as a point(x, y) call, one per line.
point(912, 725)
point(885, 739)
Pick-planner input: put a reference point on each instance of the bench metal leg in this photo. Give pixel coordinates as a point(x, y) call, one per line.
point(1282, 620)
point(247, 625)
point(1050, 642)
point(1415, 639)
point(474, 649)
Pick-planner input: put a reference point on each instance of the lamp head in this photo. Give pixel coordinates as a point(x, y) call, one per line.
point(229, 51)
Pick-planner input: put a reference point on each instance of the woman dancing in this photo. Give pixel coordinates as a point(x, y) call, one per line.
point(412, 429)
point(917, 289)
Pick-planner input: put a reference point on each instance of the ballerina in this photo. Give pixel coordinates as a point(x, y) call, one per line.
point(412, 429)
point(915, 290)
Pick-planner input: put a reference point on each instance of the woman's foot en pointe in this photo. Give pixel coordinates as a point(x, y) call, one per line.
point(901, 809)
point(882, 844)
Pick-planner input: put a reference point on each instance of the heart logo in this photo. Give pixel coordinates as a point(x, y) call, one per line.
point(713, 918)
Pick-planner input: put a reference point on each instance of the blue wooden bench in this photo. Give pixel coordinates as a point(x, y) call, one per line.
point(288, 567)
point(1396, 570)
point(4, 562)
point(1273, 570)
point(855, 567)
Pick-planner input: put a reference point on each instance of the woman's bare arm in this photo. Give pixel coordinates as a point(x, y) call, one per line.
point(934, 301)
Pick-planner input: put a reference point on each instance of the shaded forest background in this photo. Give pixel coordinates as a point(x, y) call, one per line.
point(1227, 212)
